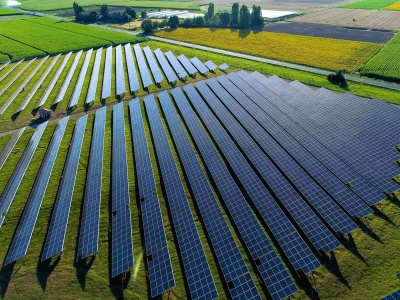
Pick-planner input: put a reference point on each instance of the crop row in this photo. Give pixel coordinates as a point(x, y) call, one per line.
point(370, 4)
point(14, 50)
point(331, 54)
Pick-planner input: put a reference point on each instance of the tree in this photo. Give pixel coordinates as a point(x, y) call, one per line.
point(164, 23)
point(78, 10)
point(173, 22)
point(126, 17)
point(143, 14)
point(210, 10)
point(256, 16)
point(147, 26)
point(104, 11)
point(199, 21)
point(244, 17)
point(187, 22)
point(156, 25)
point(235, 14)
point(225, 18)
point(130, 11)
point(214, 20)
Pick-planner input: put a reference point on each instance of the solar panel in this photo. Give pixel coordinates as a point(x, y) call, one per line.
point(199, 65)
point(281, 227)
point(197, 271)
point(68, 78)
point(59, 218)
point(119, 71)
point(10, 146)
point(13, 67)
point(223, 67)
point(94, 78)
point(23, 233)
point(210, 65)
point(273, 273)
point(393, 296)
point(155, 69)
point(169, 73)
point(106, 90)
point(187, 64)
point(13, 183)
point(223, 243)
point(182, 74)
point(89, 231)
point(122, 245)
point(4, 65)
point(130, 66)
point(144, 72)
point(81, 78)
point(38, 83)
point(158, 259)
point(53, 81)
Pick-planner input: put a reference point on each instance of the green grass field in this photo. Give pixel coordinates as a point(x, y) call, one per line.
point(14, 50)
point(369, 4)
point(9, 12)
point(386, 63)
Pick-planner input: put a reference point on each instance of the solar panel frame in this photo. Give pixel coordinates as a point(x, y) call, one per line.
point(199, 65)
point(119, 72)
point(13, 183)
point(187, 64)
point(155, 69)
point(130, 66)
point(106, 87)
point(10, 146)
point(89, 231)
point(144, 72)
point(176, 65)
point(26, 224)
point(94, 77)
point(168, 71)
point(81, 78)
point(59, 219)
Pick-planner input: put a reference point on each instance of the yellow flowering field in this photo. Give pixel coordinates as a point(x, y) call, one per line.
point(331, 54)
point(395, 6)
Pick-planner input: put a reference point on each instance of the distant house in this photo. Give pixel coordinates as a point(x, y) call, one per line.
point(115, 16)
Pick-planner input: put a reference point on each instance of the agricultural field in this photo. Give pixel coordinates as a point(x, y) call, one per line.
point(372, 19)
point(330, 54)
point(385, 64)
point(9, 12)
point(369, 4)
point(14, 50)
point(395, 6)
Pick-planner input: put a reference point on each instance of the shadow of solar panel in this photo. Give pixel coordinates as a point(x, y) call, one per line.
point(68, 78)
point(176, 65)
point(223, 243)
point(199, 65)
point(10, 146)
point(94, 78)
point(130, 66)
point(187, 64)
point(106, 90)
point(197, 271)
point(79, 84)
point(59, 219)
point(53, 81)
point(89, 231)
point(119, 71)
point(13, 183)
point(155, 69)
point(23, 233)
point(144, 72)
point(168, 71)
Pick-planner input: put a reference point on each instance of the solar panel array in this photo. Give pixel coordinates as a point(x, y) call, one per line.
point(89, 231)
point(7, 196)
point(81, 78)
point(187, 64)
point(94, 78)
point(106, 90)
point(393, 296)
point(119, 72)
point(2, 67)
point(144, 72)
point(13, 67)
point(182, 74)
point(158, 259)
point(59, 218)
point(168, 71)
point(155, 69)
point(23, 234)
point(199, 65)
point(130, 66)
point(10, 146)
point(198, 275)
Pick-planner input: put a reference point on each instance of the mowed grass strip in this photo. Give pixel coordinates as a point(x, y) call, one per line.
point(395, 6)
point(11, 49)
point(86, 30)
point(369, 4)
point(330, 54)
point(47, 39)
point(386, 64)
point(9, 12)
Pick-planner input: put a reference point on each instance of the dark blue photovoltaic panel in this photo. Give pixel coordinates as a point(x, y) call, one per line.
point(274, 274)
point(53, 81)
point(59, 219)
point(119, 71)
point(210, 65)
point(130, 67)
point(223, 243)
point(394, 296)
point(68, 78)
point(144, 72)
point(23, 233)
point(155, 69)
point(286, 234)
point(199, 65)
point(13, 183)
point(307, 220)
point(187, 64)
point(197, 271)
point(89, 231)
point(106, 89)
point(176, 65)
point(159, 265)
point(171, 76)
point(94, 78)
point(10, 146)
point(79, 84)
